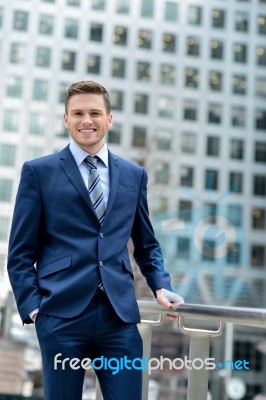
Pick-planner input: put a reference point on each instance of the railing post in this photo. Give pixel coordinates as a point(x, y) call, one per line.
point(198, 378)
point(199, 350)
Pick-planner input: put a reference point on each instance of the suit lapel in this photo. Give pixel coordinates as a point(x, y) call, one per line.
point(114, 179)
point(70, 168)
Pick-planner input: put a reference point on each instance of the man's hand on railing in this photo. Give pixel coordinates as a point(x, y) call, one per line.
point(169, 300)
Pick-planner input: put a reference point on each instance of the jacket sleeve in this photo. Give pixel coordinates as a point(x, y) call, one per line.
point(24, 242)
point(147, 251)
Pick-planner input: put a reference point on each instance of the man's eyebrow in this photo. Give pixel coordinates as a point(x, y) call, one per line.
point(92, 110)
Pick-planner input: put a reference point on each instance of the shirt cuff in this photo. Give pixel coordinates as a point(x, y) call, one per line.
point(33, 312)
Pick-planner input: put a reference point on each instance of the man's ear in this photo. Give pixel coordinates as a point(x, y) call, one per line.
point(66, 120)
point(110, 121)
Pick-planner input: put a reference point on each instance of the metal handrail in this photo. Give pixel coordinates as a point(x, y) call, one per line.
point(237, 315)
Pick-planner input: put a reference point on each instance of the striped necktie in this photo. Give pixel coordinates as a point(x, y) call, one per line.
point(95, 188)
point(96, 193)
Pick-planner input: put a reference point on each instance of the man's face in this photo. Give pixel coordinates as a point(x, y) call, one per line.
point(87, 121)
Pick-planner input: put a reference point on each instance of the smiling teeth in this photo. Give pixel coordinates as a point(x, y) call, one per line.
point(87, 130)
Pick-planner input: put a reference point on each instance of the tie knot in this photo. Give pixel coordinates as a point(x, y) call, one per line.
point(91, 161)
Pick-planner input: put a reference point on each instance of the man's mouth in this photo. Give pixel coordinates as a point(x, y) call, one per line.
point(92, 130)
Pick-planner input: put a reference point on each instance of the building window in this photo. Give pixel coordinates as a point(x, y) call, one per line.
point(117, 100)
point(143, 72)
point(210, 213)
point(34, 152)
point(68, 60)
point(20, 22)
point(218, 18)
point(160, 204)
point(257, 256)
point(188, 142)
point(260, 119)
point(14, 86)
point(240, 53)
point(215, 114)
point(260, 86)
point(238, 115)
point(114, 134)
point(185, 210)
point(75, 3)
point(167, 74)
point(164, 138)
point(43, 57)
point(236, 182)
point(258, 218)
point(183, 248)
point(211, 179)
point(215, 81)
point(17, 53)
point(162, 173)
point(165, 106)
point(94, 64)
point(208, 250)
point(235, 215)
point(233, 253)
point(120, 36)
point(141, 103)
point(96, 32)
point(259, 185)
point(147, 8)
point(139, 136)
point(241, 22)
point(187, 176)
point(237, 149)
point(261, 56)
point(40, 89)
point(46, 25)
point(98, 4)
point(63, 86)
point(170, 11)
point(260, 152)
point(194, 15)
point(123, 6)
point(239, 84)
point(216, 50)
point(213, 146)
point(119, 67)
point(169, 43)
point(5, 190)
point(71, 28)
point(37, 123)
point(190, 110)
point(7, 155)
point(4, 225)
point(1, 16)
point(145, 39)
point(261, 24)
point(11, 120)
point(192, 78)
point(193, 46)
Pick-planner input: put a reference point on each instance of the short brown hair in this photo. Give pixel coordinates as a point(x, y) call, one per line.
point(84, 87)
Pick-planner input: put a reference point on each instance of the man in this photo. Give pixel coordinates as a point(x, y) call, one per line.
point(75, 212)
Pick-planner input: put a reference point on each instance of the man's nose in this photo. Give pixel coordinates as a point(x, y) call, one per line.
point(87, 119)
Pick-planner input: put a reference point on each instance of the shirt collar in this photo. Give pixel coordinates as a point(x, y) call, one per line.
point(79, 153)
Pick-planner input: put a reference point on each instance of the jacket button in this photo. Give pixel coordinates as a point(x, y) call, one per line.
point(101, 264)
point(101, 235)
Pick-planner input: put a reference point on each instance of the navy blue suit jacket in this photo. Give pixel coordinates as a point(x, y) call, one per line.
point(58, 251)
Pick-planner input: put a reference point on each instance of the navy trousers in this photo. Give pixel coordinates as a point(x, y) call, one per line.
point(97, 333)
